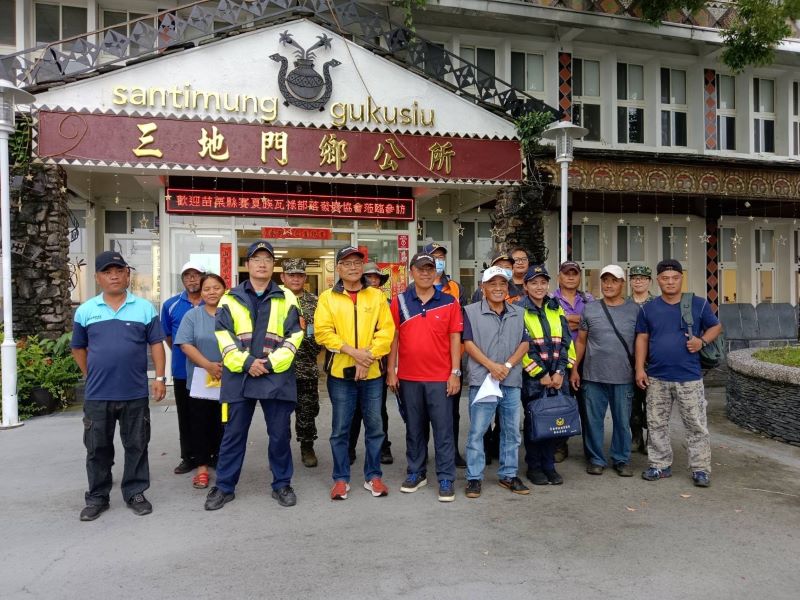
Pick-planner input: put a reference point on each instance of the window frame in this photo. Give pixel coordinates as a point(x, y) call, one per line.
point(475, 48)
point(760, 118)
point(582, 100)
point(726, 114)
point(61, 6)
point(12, 21)
point(535, 93)
point(673, 108)
point(630, 104)
point(794, 118)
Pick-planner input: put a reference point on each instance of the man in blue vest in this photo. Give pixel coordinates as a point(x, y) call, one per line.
point(258, 330)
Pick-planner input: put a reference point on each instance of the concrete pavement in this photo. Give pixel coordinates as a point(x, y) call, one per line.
point(594, 537)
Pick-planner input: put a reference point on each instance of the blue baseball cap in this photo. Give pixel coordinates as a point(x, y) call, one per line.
point(537, 271)
point(432, 247)
point(260, 245)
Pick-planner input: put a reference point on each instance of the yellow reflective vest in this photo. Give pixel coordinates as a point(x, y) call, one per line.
point(551, 347)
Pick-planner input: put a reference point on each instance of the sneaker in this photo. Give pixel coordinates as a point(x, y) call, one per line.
point(91, 511)
point(623, 469)
point(339, 490)
point(139, 505)
point(413, 482)
point(377, 487)
point(216, 499)
point(701, 479)
point(307, 454)
point(386, 456)
point(473, 488)
point(446, 491)
point(285, 496)
point(515, 485)
point(537, 477)
point(654, 473)
point(594, 469)
point(185, 466)
point(460, 462)
point(553, 477)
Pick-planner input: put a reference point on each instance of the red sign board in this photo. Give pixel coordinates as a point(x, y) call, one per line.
point(402, 240)
point(225, 259)
point(218, 202)
point(296, 233)
point(167, 143)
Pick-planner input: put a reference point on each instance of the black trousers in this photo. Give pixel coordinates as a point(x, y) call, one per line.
point(205, 429)
point(182, 404)
point(355, 426)
point(427, 404)
point(99, 422)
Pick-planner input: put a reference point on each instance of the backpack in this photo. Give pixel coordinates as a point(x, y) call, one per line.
point(711, 355)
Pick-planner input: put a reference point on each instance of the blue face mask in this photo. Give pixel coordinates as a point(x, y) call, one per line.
point(508, 273)
point(439, 266)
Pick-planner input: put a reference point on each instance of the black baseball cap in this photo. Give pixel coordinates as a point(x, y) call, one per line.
point(669, 264)
point(569, 265)
point(348, 251)
point(260, 245)
point(422, 258)
point(107, 259)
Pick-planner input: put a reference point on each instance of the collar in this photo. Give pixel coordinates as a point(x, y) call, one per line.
point(487, 310)
point(129, 298)
point(547, 302)
point(412, 289)
point(339, 286)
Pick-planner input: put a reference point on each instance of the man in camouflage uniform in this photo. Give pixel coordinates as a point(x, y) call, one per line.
point(305, 364)
point(640, 278)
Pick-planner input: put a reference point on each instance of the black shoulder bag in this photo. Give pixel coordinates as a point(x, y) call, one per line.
point(619, 335)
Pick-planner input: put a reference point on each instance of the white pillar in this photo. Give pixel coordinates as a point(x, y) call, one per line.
point(564, 202)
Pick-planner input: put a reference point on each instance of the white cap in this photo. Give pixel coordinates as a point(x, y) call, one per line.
point(614, 270)
point(193, 265)
point(495, 272)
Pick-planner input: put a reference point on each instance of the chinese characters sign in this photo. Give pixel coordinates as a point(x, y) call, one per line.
point(296, 233)
point(217, 202)
point(195, 145)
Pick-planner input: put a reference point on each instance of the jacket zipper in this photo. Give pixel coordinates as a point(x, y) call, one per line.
point(355, 318)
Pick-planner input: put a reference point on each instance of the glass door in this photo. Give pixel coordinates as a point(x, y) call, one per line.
point(764, 265)
point(143, 253)
point(728, 243)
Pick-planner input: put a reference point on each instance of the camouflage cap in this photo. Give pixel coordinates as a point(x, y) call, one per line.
point(294, 265)
point(642, 270)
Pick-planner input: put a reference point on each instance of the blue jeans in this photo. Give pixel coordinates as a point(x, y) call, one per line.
point(345, 393)
point(480, 416)
point(600, 396)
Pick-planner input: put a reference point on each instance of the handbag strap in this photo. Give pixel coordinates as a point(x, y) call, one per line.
point(619, 335)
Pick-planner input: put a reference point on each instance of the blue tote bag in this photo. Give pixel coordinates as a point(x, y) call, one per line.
point(553, 415)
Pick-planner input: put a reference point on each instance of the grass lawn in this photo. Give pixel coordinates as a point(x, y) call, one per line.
point(789, 356)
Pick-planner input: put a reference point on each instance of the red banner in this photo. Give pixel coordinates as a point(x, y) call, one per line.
point(207, 146)
point(225, 259)
point(398, 278)
point(218, 202)
point(296, 233)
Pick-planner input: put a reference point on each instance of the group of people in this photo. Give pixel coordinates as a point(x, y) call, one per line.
point(259, 342)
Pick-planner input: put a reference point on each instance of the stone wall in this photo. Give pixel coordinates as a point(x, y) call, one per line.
point(517, 221)
point(763, 397)
point(40, 253)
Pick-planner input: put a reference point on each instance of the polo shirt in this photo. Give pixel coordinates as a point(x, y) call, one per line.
point(172, 311)
point(117, 344)
point(423, 331)
point(581, 300)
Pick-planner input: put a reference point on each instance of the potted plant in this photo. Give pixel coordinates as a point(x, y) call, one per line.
point(46, 374)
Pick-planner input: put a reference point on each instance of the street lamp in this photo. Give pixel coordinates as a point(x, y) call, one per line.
point(10, 96)
point(564, 133)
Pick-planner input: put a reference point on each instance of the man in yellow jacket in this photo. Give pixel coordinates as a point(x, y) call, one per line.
point(258, 331)
point(353, 323)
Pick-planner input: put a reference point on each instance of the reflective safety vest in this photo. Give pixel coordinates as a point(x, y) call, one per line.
point(550, 350)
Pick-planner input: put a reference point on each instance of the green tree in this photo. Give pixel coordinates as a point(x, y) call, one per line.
point(751, 38)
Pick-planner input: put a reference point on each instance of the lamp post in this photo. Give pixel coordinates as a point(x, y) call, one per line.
point(10, 96)
point(564, 133)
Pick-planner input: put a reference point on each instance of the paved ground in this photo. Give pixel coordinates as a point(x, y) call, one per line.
point(594, 537)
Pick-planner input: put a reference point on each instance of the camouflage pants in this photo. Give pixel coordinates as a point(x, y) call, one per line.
point(691, 399)
point(307, 410)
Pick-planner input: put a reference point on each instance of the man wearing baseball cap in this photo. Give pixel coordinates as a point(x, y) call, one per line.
point(605, 348)
point(354, 324)
point(504, 260)
point(495, 339)
point(305, 365)
point(110, 336)
point(427, 373)
point(640, 277)
point(670, 351)
point(172, 312)
point(258, 330)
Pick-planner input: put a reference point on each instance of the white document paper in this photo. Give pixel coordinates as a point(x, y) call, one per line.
point(489, 391)
point(200, 388)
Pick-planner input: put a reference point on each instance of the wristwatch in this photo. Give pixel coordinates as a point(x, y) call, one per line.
point(456, 372)
point(508, 365)
point(162, 378)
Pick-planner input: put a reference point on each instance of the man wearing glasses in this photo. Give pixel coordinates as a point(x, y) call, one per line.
point(172, 312)
point(354, 324)
point(258, 331)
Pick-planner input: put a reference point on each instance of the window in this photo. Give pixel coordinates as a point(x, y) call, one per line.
point(796, 118)
point(434, 230)
point(764, 111)
point(527, 72)
point(57, 22)
point(8, 32)
point(674, 243)
point(630, 243)
point(128, 221)
point(118, 20)
point(586, 243)
point(483, 58)
point(673, 107)
point(586, 97)
point(726, 112)
point(630, 104)
point(434, 59)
